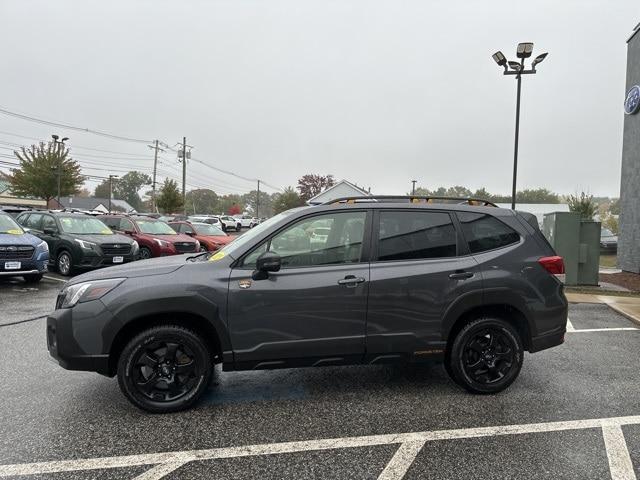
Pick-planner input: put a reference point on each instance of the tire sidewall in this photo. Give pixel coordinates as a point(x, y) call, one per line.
point(456, 357)
point(145, 249)
point(169, 333)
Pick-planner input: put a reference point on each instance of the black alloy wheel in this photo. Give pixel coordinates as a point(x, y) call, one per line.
point(145, 253)
point(165, 369)
point(486, 356)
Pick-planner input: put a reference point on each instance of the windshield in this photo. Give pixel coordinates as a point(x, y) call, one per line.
point(206, 229)
point(155, 227)
point(84, 226)
point(256, 231)
point(606, 233)
point(8, 225)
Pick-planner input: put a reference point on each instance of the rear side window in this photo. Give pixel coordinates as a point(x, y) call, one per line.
point(415, 235)
point(484, 232)
point(34, 221)
point(125, 225)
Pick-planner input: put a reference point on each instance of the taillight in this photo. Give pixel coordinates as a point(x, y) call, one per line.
point(553, 265)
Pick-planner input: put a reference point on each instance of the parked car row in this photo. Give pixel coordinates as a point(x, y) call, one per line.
point(225, 222)
point(72, 241)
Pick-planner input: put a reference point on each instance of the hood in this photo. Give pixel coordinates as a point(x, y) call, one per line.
point(100, 239)
point(140, 268)
point(179, 237)
point(24, 239)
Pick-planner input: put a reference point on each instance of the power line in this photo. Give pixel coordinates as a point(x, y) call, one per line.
point(30, 118)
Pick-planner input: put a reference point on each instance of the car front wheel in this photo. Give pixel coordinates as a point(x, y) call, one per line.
point(486, 356)
point(65, 263)
point(165, 369)
point(145, 253)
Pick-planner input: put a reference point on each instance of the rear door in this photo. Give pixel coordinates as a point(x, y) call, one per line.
point(311, 312)
point(419, 267)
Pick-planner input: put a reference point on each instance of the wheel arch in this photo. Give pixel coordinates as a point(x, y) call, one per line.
point(478, 304)
point(215, 339)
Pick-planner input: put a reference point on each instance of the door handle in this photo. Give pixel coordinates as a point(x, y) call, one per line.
point(460, 275)
point(351, 281)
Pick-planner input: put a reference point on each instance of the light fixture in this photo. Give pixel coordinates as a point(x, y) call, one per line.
point(538, 59)
point(65, 139)
point(55, 137)
point(515, 66)
point(524, 50)
point(499, 58)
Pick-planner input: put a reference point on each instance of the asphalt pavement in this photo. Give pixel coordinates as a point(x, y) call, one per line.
point(345, 422)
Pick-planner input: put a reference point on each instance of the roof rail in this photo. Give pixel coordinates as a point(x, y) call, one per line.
point(478, 202)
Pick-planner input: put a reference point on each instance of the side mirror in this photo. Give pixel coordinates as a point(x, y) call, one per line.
point(267, 262)
point(129, 232)
point(50, 231)
point(190, 233)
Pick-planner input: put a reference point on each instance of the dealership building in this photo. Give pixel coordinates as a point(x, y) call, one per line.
point(629, 237)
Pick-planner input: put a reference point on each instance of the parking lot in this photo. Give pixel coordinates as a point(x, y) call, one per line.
point(573, 413)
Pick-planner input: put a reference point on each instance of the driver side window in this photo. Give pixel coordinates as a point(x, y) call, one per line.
point(328, 239)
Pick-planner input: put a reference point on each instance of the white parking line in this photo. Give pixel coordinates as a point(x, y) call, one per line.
point(570, 326)
point(54, 279)
point(620, 462)
point(572, 329)
point(618, 454)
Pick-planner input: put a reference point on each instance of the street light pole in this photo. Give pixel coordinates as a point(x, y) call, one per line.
point(58, 146)
point(523, 51)
point(413, 188)
point(515, 146)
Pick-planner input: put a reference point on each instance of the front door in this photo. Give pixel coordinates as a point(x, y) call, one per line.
point(311, 312)
point(416, 273)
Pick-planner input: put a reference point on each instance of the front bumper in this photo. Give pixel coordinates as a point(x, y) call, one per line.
point(27, 267)
point(92, 259)
point(75, 340)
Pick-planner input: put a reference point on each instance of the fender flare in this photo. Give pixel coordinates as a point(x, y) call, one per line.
point(485, 298)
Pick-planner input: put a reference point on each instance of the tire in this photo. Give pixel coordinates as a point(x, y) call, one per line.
point(145, 253)
point(224, 228)
point(238, 227)
point(64, 263)
point(203, 249)
point(34, 278)
point(148, 382)
point(486, 356)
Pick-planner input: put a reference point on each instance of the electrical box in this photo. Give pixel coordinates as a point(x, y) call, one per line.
point(577, 242)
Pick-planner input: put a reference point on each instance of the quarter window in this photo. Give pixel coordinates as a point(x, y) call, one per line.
point(415, 235)
point(49, 222)
point(484, 232)
point(126, 225)
point(320, 240)
point(34, 221)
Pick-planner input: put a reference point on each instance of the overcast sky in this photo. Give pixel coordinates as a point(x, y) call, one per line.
point(376, 92)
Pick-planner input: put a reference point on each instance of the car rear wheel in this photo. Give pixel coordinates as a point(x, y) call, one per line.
point(165, 369)
point(34, 278)
point(486, 356)
point(145, 253)
point(65, 263)
point(203, 248)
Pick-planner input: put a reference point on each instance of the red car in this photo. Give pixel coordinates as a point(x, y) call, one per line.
point(156, 238)
point(211, 238)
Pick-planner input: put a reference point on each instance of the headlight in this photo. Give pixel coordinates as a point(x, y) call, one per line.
point(87, 291)
point(86, 245)
point(162, 243)
point(197, 245)
point(43, 246)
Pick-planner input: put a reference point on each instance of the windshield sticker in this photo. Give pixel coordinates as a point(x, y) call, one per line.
point(14, 232)
point(106, 231)
point(217, 256)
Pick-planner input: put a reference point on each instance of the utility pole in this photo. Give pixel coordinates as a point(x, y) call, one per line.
point(184, 174)
point(156, 148)
point(258, 201)
point(413, 188)
point(111, 177)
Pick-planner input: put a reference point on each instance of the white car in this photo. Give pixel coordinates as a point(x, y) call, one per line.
point(247, 221)
point(229, 223)
point(210, 219)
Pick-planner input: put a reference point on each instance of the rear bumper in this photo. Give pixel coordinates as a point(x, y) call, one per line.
point(542, 342)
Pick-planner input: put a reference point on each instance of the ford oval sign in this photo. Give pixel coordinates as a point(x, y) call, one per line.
point(632, 103)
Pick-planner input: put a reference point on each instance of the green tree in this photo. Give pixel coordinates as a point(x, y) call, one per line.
point(125, 188)
point(170, 198)
point(203, 201)
point(37, 175)
point(286, 200)
point(583, 204)
point(537, 195)
point(266, 203)
point(102, 190)
point(311, 185)
point(614, 206)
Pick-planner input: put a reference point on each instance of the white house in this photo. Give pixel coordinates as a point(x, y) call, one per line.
point(339, 190)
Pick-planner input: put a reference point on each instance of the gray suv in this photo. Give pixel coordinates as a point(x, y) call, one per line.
point(371, 280)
